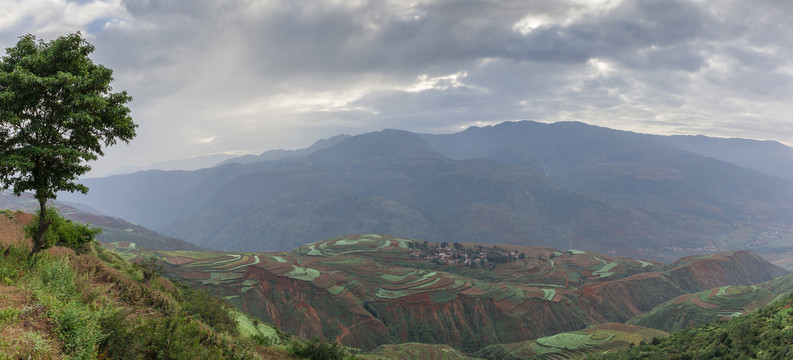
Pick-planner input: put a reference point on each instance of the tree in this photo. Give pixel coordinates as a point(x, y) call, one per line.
point(57, 109)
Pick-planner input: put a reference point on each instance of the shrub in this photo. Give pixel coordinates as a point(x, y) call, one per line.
point(62, 231)
point(79, 329)
point(317, 350)
point(54, 276)
point(13, 261)
point(150, 268)
point(210, 309)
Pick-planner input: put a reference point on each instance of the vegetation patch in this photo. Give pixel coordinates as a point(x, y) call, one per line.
point(573, 341)
point(253, 328)
point(391, 294)
point(433, 282)
point(217, 278)
point(548, 294)
point(605, 270)
point(255, 261)
point(350, 261)
point(393, 278)
point(384, 244)
point(349, 242)
point(336, 289)
point(424, 277)
point(404, 244)
point(9, 315)
point(313, 252)
point(234, 257)
point(302, 273)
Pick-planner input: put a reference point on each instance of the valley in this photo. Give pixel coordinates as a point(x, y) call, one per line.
point(371, 289)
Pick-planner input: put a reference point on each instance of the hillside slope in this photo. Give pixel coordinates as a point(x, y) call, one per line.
point(367, 290)
point(78, 305)
point(113, 229)
point(89, 303)
point(764, 334)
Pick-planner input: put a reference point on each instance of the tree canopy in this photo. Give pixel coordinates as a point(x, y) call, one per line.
point(57, 111)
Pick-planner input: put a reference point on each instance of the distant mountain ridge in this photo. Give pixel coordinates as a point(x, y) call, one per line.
point(280, 154)
point(522, 183)
point(189, 164)
point(769, 157)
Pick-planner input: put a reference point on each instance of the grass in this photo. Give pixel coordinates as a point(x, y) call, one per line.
point(105, 308)
point(9, 315)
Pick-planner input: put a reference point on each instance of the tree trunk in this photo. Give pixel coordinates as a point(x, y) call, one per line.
point(44, 223)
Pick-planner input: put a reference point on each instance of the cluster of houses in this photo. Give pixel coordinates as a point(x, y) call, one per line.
point(762, 237)
point(677, 249)
point(457, 254)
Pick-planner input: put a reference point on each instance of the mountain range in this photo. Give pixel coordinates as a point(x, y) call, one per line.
point(521, 183)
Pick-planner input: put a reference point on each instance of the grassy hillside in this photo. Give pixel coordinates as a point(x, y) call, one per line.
point(704, 307)
point(764, 334)
point(90, 303)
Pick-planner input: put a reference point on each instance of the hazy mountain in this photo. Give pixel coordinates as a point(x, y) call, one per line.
point(279, 154)
point(623, 166)
point(520, 183)
point(113, 229)
point(193, 163)
point(768, 157)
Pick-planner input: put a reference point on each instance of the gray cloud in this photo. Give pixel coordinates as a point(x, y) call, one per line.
point(215, 76)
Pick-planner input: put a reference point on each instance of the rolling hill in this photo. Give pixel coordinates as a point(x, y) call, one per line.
point(368, 290)
point(766, 333)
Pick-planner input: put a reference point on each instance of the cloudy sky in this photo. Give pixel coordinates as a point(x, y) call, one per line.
point(215, 76)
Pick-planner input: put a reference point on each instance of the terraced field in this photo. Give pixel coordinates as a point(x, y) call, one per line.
point(367, 290)
point(575, 345)
point(704, 307)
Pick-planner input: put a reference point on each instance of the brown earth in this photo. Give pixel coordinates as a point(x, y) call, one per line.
point(370, 294)
point(11, 229)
